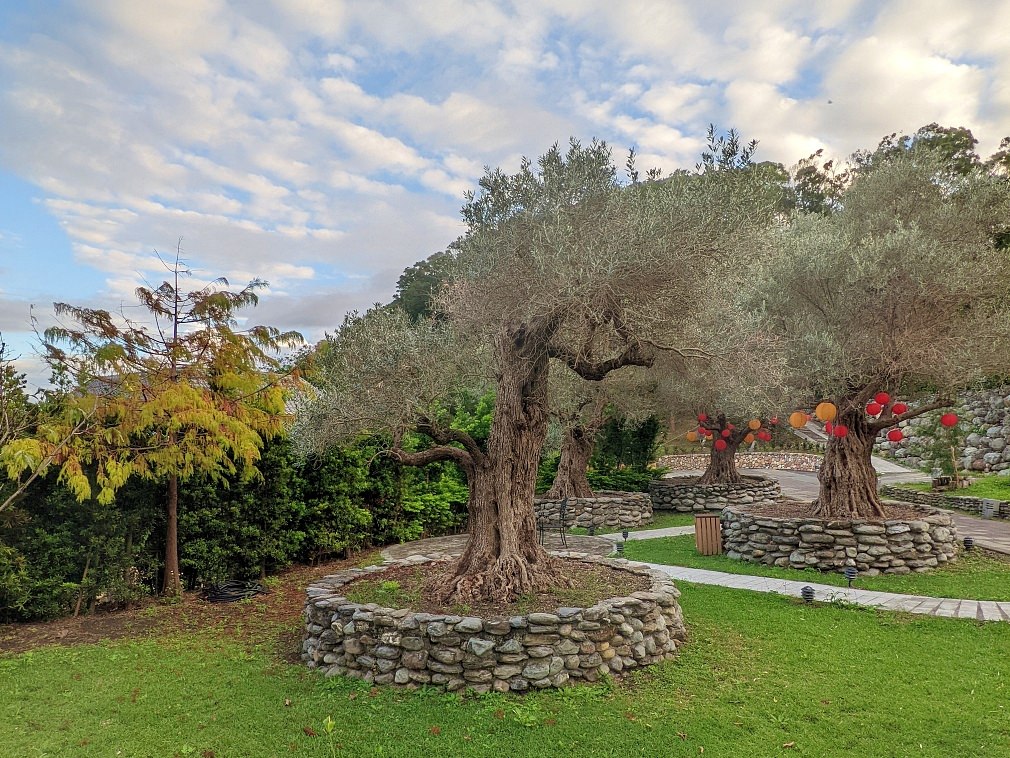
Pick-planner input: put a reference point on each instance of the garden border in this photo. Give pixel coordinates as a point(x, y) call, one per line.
point(409, 649)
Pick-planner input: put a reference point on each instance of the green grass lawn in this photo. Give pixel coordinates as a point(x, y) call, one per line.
point(996, 487)
point(662, 521)
point(762, 676)
point(973, 576)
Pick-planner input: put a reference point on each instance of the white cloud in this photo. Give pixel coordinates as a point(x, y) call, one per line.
point(291, 139)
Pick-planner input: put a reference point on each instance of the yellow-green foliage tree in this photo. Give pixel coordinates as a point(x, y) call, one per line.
point(186, 393)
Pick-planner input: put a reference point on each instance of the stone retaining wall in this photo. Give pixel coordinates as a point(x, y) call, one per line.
point(941, 500)
point(873, 547)
point(685, 495)
point(405, 648)
point(620, 509)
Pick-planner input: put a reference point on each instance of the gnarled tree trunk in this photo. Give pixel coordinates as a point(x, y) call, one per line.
point(848, 482)
point(503, 558)
point(576, 450)
point(722, 463)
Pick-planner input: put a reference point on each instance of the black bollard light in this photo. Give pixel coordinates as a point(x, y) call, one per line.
point(969, 543)
point(807, 593)
point(620, 548)
point(850, 573)
point(624, 535)
point(592, 530)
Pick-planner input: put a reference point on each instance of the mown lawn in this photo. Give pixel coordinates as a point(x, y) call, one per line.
point(996, 487)
point(662, 521)
point(974, 576)
point(762, 676)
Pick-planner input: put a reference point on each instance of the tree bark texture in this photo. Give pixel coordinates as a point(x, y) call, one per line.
point(848, 483)
point(503, 559)
point(722, 463)
point(721, 467)
point(172, 583)
point(576, 450)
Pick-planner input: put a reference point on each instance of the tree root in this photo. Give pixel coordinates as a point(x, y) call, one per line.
point(505, 580)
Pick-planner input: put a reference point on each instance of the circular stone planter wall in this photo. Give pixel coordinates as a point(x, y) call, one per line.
point(406, 648)
point(873, 547)
point(622, 509)
point(685, 495)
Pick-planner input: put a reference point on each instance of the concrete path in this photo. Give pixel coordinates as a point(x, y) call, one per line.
point(981, 610)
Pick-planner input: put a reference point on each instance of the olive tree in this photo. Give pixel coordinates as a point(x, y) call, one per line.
point(561, 268)
point(902, 288)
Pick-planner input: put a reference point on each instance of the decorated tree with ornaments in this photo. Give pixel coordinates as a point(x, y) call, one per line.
point(888, 304)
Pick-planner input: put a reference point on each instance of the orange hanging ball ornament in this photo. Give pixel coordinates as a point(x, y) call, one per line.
point(754, 424)
point(692, 436)
point(797, 419)
point(749, 438)
point(826, 411)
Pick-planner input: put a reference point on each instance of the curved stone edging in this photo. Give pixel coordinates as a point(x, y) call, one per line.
point(873, 547)
point(685, 495)
point(540, 650)
point(941, 500)
point(607, 508)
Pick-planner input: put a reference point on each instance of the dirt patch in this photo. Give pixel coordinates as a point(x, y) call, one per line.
point(804, 509)
point(414, 587)
point(273, 620)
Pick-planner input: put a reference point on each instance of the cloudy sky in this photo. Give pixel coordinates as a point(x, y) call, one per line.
point(324, 145)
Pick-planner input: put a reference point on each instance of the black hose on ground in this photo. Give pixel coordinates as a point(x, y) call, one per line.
point(232, 590)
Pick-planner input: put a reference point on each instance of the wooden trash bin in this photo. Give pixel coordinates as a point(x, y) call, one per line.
point(708, 533)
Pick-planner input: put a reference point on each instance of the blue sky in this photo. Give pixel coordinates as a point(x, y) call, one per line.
point(325, 145)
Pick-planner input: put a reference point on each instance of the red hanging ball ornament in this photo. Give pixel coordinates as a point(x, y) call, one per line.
point(703, 417)
point(765, 435)
point(882, 397)
point(726, 432)
point(702, 430)
point(898, 408)
point(720, 445)
point(774, 420)
point(730, 426)
point(895, 435)
point(840, 430)
point(948, 419)
point(874, 409)
point(828, 426)
point(707, 432)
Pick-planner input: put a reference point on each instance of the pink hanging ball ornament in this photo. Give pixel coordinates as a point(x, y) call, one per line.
point(882, 397)
point(898, 408)
point(948, 419)
point(874, 409)
point(841, 430)
point(720, 445)
point(895, 435)
point(774, 420)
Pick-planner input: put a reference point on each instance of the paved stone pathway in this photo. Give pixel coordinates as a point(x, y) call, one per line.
point(981, 610)
point(452, 546)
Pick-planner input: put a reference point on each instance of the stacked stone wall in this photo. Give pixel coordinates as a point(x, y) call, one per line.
point(405, 648)
point(942, 500)
point(889, 547)
point(606, 509)
point(685, 495)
